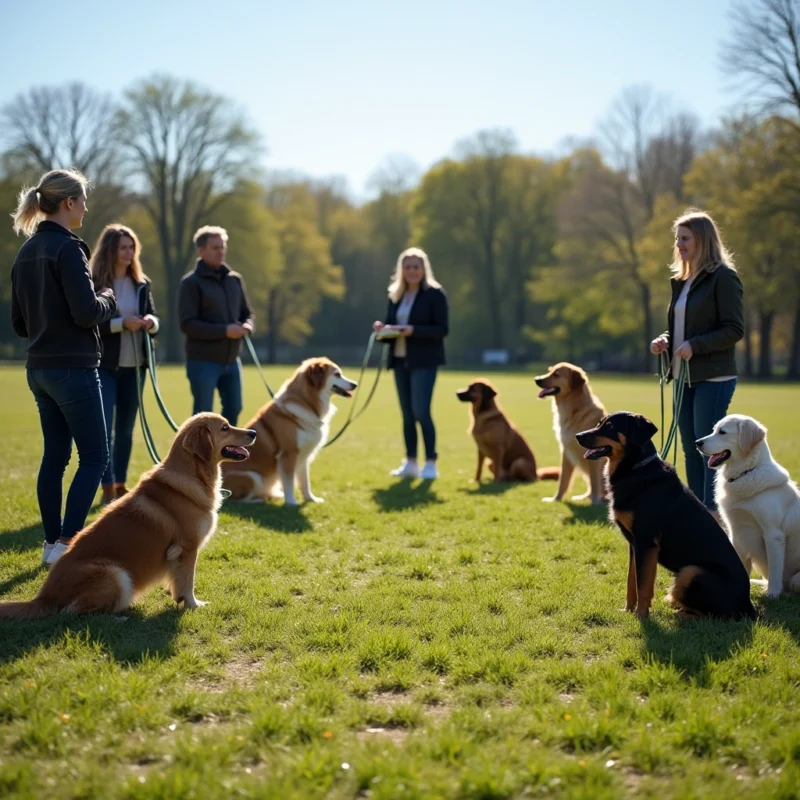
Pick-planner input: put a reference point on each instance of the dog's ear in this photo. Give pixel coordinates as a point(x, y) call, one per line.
point(488, 391)
point(316, 375)
point(751, 433)
point(642, 430)
point(198, 442)
point(577, 378)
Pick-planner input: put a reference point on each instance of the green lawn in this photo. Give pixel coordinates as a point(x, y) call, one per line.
point(401, 640)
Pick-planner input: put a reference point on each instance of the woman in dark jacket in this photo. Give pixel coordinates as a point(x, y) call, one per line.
point(115, 264)
point(415, 326)
point(705, 319)
point(55, 307)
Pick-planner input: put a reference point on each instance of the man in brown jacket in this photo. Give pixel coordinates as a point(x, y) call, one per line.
point(215, 315)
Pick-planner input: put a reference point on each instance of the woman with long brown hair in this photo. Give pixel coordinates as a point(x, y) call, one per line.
point(115, 264)
point(705, 320)
point(54, 305)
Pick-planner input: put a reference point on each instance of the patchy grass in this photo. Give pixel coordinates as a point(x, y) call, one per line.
point(401, 640)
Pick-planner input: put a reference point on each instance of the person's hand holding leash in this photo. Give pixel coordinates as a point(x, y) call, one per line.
point(133, 323)
point(405, 330)
point(377, 325)
point(235, 331)
point(684, 351)
point(659, 345)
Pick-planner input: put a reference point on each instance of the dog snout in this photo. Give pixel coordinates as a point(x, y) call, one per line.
point(539, 381)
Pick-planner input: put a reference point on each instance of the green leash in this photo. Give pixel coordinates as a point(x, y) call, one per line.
point(352, 416)
point(678, 387)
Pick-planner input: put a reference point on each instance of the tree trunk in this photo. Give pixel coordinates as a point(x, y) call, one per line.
point(748, 345)
point(647, 314)
point(766, 320)
point(272, 323)
point(495, 314)
point(794, 355)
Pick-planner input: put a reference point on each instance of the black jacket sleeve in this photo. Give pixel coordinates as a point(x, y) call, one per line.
point(17, 320)
point(437, 329)
point(87, 308)
point(245, 310)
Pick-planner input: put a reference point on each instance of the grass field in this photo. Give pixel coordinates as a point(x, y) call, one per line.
point(401, 640)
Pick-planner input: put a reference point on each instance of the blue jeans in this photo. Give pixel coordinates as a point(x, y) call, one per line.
point(206, 376)
point(415, 392)
point(120, 404)
point(70, 407)
point(704, 405)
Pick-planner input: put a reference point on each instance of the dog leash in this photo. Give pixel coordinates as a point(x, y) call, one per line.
point(352, 416)
point(678, 387)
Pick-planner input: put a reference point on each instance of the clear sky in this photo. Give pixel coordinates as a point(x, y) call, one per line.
point(335, 87)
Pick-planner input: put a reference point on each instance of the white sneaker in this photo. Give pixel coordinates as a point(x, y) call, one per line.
point(58, 550)
point(408, 469)
point(46, 548)
point(429, 471)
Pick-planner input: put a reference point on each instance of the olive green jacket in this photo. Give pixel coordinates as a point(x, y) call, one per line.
point(714, 322)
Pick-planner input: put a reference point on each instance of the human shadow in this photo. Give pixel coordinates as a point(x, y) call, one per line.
point(24, 539)
point(275, 517)
point(129, 638)
point(405, 494)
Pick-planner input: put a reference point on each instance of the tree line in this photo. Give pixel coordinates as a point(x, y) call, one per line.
point(545, 257)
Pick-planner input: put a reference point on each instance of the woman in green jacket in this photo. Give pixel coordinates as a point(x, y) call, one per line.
point(705, 320)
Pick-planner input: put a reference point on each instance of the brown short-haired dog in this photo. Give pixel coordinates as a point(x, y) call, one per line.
point(575, 408)
point(152, 534)
point(664, 523)
point(510, 456)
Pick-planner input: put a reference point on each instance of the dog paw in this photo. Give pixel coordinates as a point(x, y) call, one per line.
point(314, 499)
point(195, 603)
point(550, 500)
point(291, 502)
point(773, 594)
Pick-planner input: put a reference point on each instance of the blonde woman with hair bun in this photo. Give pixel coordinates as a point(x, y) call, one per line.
point(705, 321)
point(54, 305)
point(416, 324)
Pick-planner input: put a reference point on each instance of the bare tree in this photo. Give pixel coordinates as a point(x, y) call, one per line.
point(763, 55)
point(187, 147)
point(68, 126)
point(73, 125)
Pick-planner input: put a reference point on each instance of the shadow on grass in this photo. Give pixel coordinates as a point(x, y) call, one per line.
point(690, 644)
point(278, 518)
point(24, 539)
point(406, 494)
point(490, 488)
point(129, 639)
point(586, 513)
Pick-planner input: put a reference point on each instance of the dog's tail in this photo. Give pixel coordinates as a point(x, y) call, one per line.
point(548, 473)
point(699, 590)
point(27, 609)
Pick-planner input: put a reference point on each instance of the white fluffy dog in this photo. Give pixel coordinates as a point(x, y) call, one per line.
point(758, 501)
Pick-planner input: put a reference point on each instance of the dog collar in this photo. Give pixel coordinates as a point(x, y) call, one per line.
point(645, 461)
point(731, 480)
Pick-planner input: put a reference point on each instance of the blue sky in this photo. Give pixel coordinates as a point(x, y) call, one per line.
point(336, 87)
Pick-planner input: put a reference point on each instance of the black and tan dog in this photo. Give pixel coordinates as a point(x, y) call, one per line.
point(510, 456)
point(665, 524)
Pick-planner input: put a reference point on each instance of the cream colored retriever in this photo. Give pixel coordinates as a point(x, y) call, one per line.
point(151, 535)
point(292, 428)
point(576, 408)
point(758, 501)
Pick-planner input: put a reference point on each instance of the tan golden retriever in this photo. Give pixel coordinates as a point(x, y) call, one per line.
point(510, 456)
point(575, 409)
point(149, 536)
point(291, 429)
